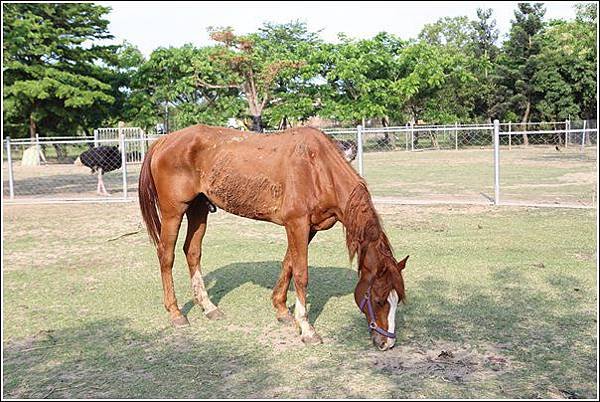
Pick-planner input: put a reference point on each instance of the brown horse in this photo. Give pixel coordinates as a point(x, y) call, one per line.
point(297, 179)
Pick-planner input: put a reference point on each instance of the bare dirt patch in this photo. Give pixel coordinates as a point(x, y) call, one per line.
point(449, 361)
point(585, 256)
point(280, 337)
point(239, 329)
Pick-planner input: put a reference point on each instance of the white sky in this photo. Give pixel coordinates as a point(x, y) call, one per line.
point(149, 25)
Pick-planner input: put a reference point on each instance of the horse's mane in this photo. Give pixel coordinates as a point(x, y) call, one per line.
point(363, 225)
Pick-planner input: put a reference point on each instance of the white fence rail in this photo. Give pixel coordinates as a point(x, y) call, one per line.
point(538, 164)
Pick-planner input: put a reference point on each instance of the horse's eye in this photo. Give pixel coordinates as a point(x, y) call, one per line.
point(380, 302)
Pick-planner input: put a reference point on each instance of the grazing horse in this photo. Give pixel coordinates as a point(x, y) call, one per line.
point(297, 179)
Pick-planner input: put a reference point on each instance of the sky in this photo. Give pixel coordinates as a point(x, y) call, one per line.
point(149, 25)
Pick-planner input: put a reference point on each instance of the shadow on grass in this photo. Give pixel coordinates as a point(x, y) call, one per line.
point(544, 335)
point(107, 359)
point(539, 331)
point(324, 282)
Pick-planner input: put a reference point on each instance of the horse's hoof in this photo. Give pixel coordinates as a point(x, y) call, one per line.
point(215, 314)
point(180, 322)
point(312, 339)
point(286, 319)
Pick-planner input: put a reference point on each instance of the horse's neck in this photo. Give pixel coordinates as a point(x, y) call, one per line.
point(355, 201)
point(360, 219)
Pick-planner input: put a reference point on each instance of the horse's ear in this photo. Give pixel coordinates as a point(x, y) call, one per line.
point(402, 264)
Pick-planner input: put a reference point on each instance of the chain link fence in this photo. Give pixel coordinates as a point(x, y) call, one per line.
point(539, 164)
point(548, 163)
point(103, 168)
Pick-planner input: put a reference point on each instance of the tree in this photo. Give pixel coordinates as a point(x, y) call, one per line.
point(295, 94)
point(484, 37)
point(517, 64)
point(358, 75)
point(436, 83)
point(250, 64)
point(565, 79)
point(53, 74)
point(484, 34)
point(453, 31)
point(167, 80)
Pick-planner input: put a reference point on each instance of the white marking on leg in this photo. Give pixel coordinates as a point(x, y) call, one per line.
point(302, 319)
point(393, 301)
point(201, 294)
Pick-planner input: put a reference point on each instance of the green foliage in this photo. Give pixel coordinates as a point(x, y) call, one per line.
point(254, 64)
point(438, 83)
point(168, 79)
point(53, 76)
point(59, 79)
point(358, 76)
point(295, 94)
point(565, 79)
point(518, 62)
point(453, 31)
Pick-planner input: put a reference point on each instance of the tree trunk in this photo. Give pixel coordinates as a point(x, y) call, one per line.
point(257, 125)
point(525, 120)
point(32, 127)
point(61, 152)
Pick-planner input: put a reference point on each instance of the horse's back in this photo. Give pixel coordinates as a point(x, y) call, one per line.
point(260, 176)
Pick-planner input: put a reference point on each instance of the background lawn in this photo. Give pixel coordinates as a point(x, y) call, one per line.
point(501, 304)
point(535, 174)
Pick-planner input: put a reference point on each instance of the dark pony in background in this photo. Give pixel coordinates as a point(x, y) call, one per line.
point(297, 179)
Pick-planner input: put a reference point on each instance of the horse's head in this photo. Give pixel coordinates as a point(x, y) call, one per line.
point(381, 285)
point(377, 294)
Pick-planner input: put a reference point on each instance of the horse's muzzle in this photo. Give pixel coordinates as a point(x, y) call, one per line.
point(382, 342)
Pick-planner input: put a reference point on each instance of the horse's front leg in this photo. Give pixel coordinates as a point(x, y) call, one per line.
point(298, 234)
point(280, 290)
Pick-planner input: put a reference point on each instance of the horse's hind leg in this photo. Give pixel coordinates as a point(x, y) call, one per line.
point(280, 290)
point(197, 215)
point(171, 221)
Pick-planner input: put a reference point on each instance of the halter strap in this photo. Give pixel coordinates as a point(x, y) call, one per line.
point(372, 323)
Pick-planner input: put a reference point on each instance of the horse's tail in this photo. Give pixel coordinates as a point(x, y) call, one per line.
point(148, 196)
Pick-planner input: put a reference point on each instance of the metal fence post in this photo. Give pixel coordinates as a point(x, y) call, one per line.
point(412, 136)
point(38, 150)
point(496, 162)
point(359, 151)
point(123, 160)
point(583, 136)
point(456, 135)
point(11, 177)
point(406, 137)
point(567, 128)
point(143, 144)
point(95, 138)
point(509, 137)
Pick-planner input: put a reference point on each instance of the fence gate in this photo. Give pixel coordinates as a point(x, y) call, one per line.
point(135, 140)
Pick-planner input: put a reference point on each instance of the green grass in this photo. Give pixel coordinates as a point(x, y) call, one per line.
point(509, 292)
point(536, 174)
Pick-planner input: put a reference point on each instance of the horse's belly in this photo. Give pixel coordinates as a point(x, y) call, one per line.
point(252, 195)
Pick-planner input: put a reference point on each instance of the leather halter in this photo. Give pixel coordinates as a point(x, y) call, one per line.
point(372, 323)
